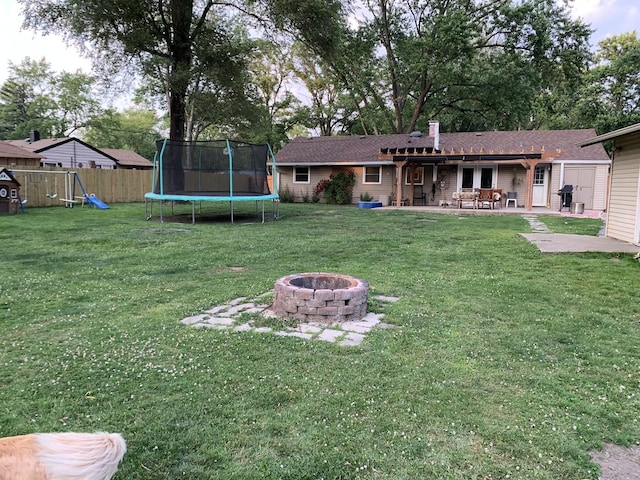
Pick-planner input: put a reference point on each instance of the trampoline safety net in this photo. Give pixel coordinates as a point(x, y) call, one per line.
point(222, 168)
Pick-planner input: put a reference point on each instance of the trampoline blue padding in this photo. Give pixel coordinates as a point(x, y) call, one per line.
point(211, 198)
point(212, 171)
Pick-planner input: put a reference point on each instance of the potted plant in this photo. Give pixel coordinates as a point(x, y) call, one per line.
point(366, 201)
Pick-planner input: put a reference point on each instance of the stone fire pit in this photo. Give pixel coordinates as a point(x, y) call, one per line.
point(321, 297)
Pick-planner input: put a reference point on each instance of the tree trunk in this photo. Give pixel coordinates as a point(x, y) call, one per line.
point(181, 59)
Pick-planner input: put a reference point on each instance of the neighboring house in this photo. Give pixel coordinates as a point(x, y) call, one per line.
point(623, 210)
point(66, 152)
point(128, 159)
point(12, 156)
point(534, 164)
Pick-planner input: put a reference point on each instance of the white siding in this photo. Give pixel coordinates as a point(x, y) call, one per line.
point(600, 187)
point(622, 216)
point(73, 154)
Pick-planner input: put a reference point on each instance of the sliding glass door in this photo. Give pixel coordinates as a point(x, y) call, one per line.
point(481, 176)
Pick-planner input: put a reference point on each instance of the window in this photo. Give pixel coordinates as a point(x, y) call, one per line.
point(372, 175)
point(300, 174)
point(418, 176)
point(477, 177)
point(486, 178)
point(467, 177)
point(538, 175)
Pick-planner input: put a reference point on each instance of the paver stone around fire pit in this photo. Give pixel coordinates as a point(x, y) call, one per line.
point(321, 297)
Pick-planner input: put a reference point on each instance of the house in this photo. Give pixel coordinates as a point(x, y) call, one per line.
point(9, 192)
point(65, 152)
point(12, 156)
point(432, 166)
point(128, 159)
point(623, 209)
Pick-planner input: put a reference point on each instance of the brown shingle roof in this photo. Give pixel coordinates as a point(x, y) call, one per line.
point(551, 140)
point(127, 158)
point(39, 144)
point(7, 150)
point(355, 150)
point(349, 149)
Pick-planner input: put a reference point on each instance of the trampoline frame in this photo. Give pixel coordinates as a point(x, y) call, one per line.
point(158, 173)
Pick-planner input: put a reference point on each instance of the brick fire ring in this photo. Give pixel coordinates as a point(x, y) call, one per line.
point(321, 297)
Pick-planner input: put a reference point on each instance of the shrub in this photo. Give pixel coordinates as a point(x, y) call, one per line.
point(285, 195)
point(338, 188)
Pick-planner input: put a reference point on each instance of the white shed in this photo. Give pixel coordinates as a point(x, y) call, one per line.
point(623, 212)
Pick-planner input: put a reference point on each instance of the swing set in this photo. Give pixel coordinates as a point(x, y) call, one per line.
point(71, 181)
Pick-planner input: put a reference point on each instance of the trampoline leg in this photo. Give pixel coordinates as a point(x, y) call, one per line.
point(148, 214)
point(193, 213)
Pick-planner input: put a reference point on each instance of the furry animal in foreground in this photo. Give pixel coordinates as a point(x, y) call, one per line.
point(61, 456)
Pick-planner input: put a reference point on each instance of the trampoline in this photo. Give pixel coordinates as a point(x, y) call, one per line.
point(212, 171)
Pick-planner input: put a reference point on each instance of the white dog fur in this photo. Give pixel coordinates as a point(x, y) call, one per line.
point(61, 456)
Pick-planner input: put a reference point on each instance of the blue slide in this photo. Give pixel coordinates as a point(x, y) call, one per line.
point(93, 200)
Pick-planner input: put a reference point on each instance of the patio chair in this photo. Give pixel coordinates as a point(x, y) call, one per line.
point(403, 201)
point(497, 197)
point(419, 196)
point(467, 195)
point(485, 198)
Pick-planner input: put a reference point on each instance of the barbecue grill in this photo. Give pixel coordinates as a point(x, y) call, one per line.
point(566, 196)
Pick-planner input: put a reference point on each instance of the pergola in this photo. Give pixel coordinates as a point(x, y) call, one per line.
point(413, 158)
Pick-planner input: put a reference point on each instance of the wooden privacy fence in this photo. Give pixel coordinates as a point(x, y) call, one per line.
point(41, 187)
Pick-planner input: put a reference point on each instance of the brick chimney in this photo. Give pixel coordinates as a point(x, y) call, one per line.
point(434, 131)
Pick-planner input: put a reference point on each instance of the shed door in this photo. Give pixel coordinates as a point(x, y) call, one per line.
point(582, 179)
point(540, 185)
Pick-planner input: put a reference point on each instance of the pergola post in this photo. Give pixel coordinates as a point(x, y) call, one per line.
point(399, 166)
point(530, 167)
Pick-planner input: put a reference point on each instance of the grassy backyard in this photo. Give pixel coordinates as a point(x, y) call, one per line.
point(503, 362)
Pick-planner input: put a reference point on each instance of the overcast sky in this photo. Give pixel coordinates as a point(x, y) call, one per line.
point(607, 17)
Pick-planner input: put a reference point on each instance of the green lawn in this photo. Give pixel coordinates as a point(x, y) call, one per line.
point(503, 362)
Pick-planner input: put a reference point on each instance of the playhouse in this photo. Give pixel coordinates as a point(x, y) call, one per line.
point(9, 192)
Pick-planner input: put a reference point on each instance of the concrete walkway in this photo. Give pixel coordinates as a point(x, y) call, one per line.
point(233, 316)
point(546, 241)
point(571, 243)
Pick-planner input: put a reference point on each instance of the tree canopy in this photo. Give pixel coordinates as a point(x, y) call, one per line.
point(36, 98)
point(446, 59)
point(179, 38)
point(261, 69)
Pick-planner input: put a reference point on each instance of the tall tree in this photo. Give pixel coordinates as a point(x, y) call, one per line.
point(608, 97)
point(171, 30)
point(76, 102)
point(36, 98)
point(134, 129)
point(446, 59)
point(330, 108)
point(614, 83)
